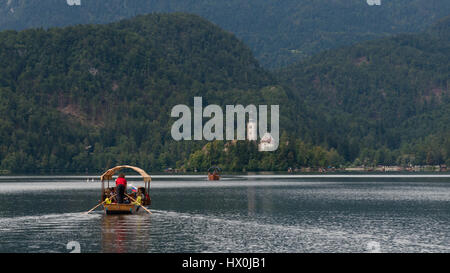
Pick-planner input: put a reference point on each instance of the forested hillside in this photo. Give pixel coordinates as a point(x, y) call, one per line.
point(85, 98)
point(278, 32)
point(88, 97)
point(384, 102)
point(381, 102)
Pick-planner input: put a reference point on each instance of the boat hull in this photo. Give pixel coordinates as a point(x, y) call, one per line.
point(213, 177)
point(120, 209)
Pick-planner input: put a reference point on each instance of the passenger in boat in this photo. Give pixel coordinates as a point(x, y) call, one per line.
point(108, 196)
point(139, 196)
point(112, 195)
point(121, 185)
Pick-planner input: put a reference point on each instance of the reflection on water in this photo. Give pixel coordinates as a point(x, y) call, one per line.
point(118, 230)
point(235, 215)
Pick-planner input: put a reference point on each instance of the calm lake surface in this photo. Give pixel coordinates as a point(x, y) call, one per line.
point(237, 214)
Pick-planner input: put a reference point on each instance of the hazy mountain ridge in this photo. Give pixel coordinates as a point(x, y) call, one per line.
point(279, 32)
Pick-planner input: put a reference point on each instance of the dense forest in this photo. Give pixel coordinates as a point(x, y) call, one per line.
point(381, 102)
point(85, 98)
point(88, 97)
point(278, 32)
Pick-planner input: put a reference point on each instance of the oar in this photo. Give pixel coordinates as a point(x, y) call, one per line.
point(138, 203)
point(99, 204)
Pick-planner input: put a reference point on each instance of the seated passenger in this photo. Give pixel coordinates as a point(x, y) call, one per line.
point(139, 197)
point(107, 196)
point(112, 196)
point(108, 201)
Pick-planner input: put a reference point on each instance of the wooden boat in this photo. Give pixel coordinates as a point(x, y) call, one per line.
point(214, 173)
point(120, 208)
point(213, 176)
point(115, 208)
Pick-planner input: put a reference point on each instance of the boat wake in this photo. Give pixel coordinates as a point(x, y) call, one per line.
point(229, 233)
point(25, 222)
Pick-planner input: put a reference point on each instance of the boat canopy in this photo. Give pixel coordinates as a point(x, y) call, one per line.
point(109, 173)
point(214, 168)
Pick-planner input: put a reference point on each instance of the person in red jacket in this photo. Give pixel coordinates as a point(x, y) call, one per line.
point(121, 185)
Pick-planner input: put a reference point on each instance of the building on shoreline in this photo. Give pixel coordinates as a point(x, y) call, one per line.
point(267, 143)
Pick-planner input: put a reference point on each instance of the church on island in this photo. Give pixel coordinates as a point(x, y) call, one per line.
point(267, 142)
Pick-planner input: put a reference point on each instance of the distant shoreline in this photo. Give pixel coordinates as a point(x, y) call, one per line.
point(250, 174)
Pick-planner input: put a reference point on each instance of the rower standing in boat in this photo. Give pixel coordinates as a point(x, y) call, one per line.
point(121, 185)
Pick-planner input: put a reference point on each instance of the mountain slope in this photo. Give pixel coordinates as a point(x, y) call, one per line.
point(390, 95)
point(279, 32)
point(88, 97)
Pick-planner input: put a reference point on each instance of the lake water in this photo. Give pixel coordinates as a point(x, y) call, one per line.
point(270, 214)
